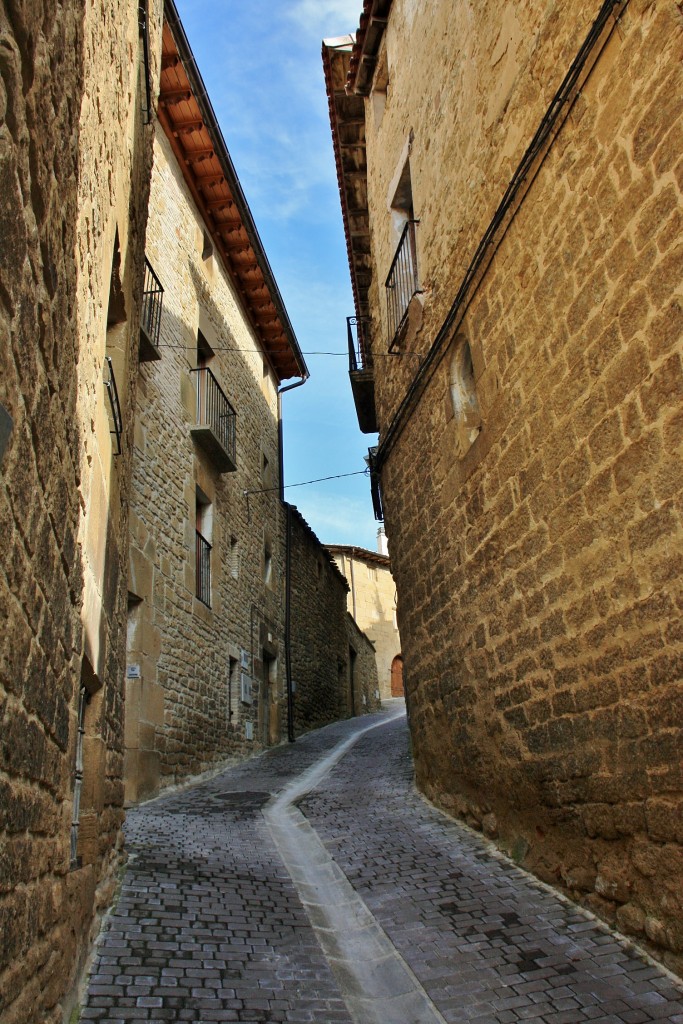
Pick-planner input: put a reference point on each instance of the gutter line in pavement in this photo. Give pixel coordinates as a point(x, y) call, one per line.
point(375, 982)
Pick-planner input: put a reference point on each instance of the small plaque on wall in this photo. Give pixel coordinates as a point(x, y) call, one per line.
point(133, 672)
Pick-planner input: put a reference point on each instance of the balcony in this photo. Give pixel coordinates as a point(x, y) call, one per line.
point(402, 283)
point(216, 421)
point(361, 374)
point(150, 320)
point(203, 576)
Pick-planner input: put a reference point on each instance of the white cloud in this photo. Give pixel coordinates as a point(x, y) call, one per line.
point(327, 17)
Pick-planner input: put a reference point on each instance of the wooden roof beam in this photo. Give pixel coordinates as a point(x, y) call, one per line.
point(171, 96)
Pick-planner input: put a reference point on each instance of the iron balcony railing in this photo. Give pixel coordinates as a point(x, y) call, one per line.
point(152, 298)
point(203, 570)
point(402, 282)
point(375, 484)
point(360, 357)
point(214, 410)
point(112, 391)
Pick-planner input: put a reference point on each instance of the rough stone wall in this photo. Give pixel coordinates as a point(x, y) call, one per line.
point(330, 667)
point(365, 680)
point(538, 552)
point(58, 176)
point(184, 711)
point(372, 603)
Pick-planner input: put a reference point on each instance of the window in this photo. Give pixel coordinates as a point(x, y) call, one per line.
point(204, 523)
point(83, 699)
point(117, 343)
point(464, 396)
point(233, 679)
point(268, 562)
point(402, 281)
point(234, 558)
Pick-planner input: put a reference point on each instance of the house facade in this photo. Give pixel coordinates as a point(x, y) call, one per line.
point(513, 231)
point(206, 638)
point(75, 163)
point(371, 602)
point(334, 671)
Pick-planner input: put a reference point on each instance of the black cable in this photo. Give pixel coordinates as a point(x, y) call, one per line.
point(305, 483)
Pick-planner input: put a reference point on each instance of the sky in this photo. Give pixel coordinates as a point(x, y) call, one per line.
point(261, 64)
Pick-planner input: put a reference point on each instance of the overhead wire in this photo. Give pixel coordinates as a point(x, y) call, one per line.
point(305, 483)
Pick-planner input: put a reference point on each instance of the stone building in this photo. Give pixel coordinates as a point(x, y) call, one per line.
point(206, 610)
point(334, 672)
point(223, 619)
point(513, 231)
point(372, 603)
point(75, 162)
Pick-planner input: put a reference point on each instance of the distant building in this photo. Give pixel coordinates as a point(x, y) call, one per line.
point(372, 604)
point(333, 661)
point(510, 182)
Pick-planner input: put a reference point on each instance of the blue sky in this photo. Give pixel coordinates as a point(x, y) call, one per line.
point(262, 68)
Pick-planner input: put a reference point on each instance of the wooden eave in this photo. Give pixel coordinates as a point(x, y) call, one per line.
point(347, 122)
point(362, 554)
point(190, 125)
point(363, 57)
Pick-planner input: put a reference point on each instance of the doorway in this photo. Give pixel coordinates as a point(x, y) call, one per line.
point(397, 677)
point(270, 724)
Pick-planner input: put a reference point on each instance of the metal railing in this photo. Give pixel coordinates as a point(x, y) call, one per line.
point(360, 357)
point(214, 410)
point(203, 555)
point(112, 391)
point(152, 298)
point(402, 281)
point(375, 484)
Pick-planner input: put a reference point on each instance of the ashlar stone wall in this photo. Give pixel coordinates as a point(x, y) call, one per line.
point(74, 161)
point(535, 523)
point(333, 662)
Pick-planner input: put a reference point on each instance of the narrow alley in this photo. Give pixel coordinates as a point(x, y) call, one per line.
point(313, 883)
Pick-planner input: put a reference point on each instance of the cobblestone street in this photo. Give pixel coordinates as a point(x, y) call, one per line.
point(246, 900)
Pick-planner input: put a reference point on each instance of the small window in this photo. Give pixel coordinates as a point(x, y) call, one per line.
point(207, 246)
point(204, 351)
point(233, 683)
point(204, 524)
point(234, 558)
point(464, 396)
point(268, 563)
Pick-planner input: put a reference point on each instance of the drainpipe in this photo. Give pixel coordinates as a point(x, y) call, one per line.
point(288, 561)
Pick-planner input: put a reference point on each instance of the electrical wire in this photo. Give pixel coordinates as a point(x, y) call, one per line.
point(305, 483)
point(251, 351)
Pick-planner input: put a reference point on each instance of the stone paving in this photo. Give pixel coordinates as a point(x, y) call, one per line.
point(210, 926)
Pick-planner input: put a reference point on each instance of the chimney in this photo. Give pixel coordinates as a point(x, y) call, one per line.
point(382, 545)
